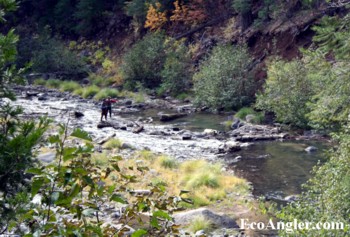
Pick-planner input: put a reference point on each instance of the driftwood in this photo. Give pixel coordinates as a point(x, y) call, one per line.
point(104, 140)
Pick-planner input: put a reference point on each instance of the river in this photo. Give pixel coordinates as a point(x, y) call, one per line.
point(276, 168)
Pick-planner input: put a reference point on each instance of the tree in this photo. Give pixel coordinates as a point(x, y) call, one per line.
point(144, 62)
point(17, 138)
point(223, 80)
point(287, 92)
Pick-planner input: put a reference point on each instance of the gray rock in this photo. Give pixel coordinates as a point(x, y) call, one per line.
point(78, 114)
point(232, 146)
point(210, 132)
point(236, 123)
point(186, 136)
point(184, 218)
point(250, 118)
point(200, 233)
point(311, 149)
point(47, 157)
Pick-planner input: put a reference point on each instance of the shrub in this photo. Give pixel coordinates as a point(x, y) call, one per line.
point(106, 92)
point(243, 112)
point(51, 55)
point(144, 62)
point(223, 80)
point(39, 82)
point(69, 86)
point(286, 92)
point(176, 75)
point(53, 83)
point(167, 162)
point(90, 91)
point(99, 80)
point(78, 91)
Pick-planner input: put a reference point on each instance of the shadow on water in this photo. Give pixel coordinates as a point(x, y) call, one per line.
point(277, 168)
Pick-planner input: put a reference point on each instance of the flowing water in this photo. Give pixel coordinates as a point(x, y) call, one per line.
point(272, 167)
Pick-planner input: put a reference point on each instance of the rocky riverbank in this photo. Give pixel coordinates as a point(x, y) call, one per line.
point(145, 132)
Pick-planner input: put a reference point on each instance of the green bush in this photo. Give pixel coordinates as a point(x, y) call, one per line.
point(223, 80)
point(90, 91)
point(243, 112)
point(326, 196)
point(51, 55)
point(143, 63)
point(53, 83)
point(287, 92)
point(106, 92)
point(99, 80)
point(69, 86)
point(176, 73)
point(39, 82)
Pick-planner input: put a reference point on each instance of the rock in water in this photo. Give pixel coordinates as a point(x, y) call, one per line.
point(137, 129)
point(311, 149)
point(78, 114)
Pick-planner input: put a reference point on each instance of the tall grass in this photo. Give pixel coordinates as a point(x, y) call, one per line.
point(53, 83)
point(206, 182)
point(69, 86)
point(40, 82)
point(113, 143)
point(242, 114)
point(200, 223)
point(106, 92)
point(90, 91)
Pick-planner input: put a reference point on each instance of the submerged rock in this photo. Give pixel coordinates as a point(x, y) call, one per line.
point(311, 149)
point(170, 117)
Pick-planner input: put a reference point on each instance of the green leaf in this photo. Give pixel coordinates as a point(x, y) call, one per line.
point(139, 233)
point(36, 171)
point(54, 139)
point(68, 153)
point(75, 190)
point(78, 133)
point(88, 181)
point(162, 214)
point(36, 185)
point(118, 198)
point(116, 167)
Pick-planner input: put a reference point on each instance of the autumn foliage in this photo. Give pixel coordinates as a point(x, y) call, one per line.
point(155, 18)
point(189, 14)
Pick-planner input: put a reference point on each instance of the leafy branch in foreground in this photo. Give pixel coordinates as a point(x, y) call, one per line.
point(75, 196)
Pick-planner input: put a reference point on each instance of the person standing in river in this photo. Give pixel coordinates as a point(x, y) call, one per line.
point(104, 109)
point(109, 102)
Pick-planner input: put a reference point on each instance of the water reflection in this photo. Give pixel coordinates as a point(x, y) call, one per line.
point(279, 167)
